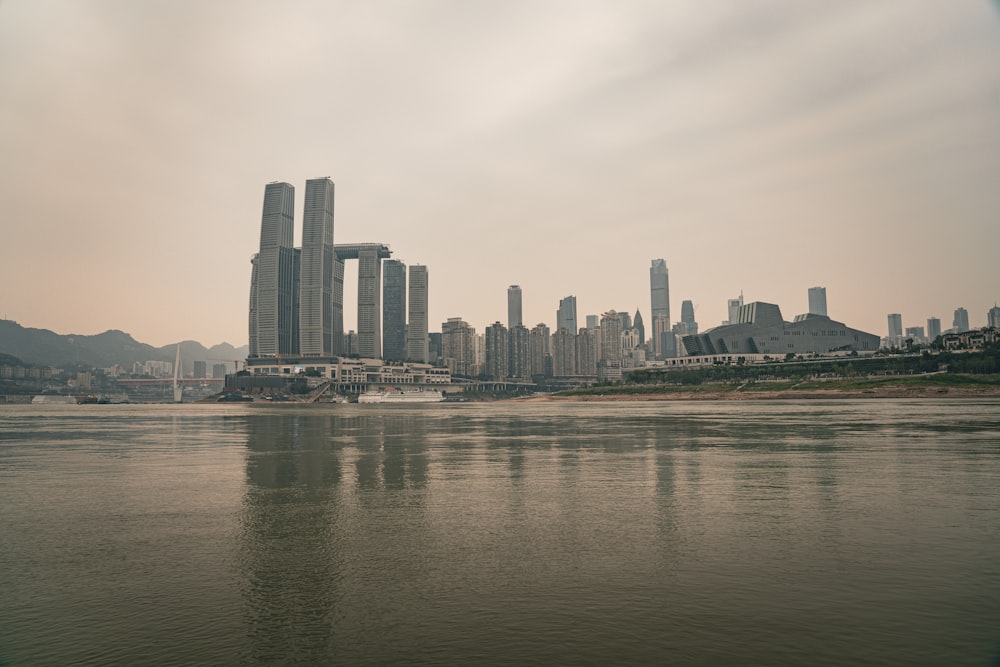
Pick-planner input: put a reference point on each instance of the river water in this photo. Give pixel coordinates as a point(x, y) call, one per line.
point(770, 533)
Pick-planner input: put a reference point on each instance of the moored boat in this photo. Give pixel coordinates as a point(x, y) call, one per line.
point(401, 396)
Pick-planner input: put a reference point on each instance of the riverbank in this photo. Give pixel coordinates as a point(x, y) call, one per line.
point(939, 385)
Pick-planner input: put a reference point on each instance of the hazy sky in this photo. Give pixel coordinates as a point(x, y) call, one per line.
point(762, 146)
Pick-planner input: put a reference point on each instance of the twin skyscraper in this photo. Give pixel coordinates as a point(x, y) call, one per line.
point(297, 294)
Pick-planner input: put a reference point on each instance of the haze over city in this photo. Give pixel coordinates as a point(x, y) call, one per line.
point(559, 146)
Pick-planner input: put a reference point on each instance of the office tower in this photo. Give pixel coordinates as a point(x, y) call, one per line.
point(993, 316)
point(517, 354)
point(218, 371)
point(394, 346)
point(495, 365)
point(592, 322)
point(895, 325)
point(961, 321)
point(733, 307)
point(566, 315)
point(933, 328)
point(272, 291)
point(200, 369)
point(316, 270)
point(434, 347)
point(350, 344)
point(458, 347)
point(417, 344)
point(539, 361)
point(587, 345)
point(514, 307)
point(338, 305)
point(659, 300)
point(817, 301)
point(369, 308)
point(639, 326)
point(687, 317)
point(625, 319)
point(916, 333)
point(563, 353)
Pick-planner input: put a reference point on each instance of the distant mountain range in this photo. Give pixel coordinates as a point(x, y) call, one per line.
point(41, 347)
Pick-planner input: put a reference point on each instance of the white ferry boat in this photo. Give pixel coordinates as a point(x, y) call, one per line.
point(400, 396)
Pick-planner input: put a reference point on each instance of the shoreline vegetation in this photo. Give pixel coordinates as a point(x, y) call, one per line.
point(936, 385)
point(923, 375)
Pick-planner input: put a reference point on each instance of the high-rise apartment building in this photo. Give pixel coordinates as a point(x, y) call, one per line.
point(495, 365)
point(458, 347)
point(611, 329)
point(566, 315)
point(394, 345)
point(895, 325)
point(659, 301)
point(817, 301)
point(933, 328)
point(514, 317)
point(587, 351)
point(564, 353)
point(273, 296)
point(518, 357)
point(316, 320)
point(539, 344)
point(961, 321)
point(416, 329)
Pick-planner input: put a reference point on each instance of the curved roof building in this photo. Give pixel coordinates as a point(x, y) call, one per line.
point(760, 329)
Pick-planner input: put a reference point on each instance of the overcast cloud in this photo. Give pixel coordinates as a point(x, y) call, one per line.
point(764, 146)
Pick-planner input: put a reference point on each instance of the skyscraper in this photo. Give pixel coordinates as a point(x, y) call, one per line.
point(566, 315)
point(592, 322)
point(817, 301)
point(316, 319)
point(659, 301)
point(993, 316)
point(961, 321)
point(369, 309)
point(514, 318)
point(933, 328)
point(895, 325)
point(638, 325)
point(394, 345)
point(687, 317)
point(416, 330)
point(273, 322)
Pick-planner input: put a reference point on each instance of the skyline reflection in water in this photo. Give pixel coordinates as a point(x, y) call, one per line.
point(777, 533)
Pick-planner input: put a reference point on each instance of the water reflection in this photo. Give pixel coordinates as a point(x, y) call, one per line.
point(365, 534)
point(288, 537)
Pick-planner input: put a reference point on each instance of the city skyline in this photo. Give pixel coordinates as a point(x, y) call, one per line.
point(761, 149)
